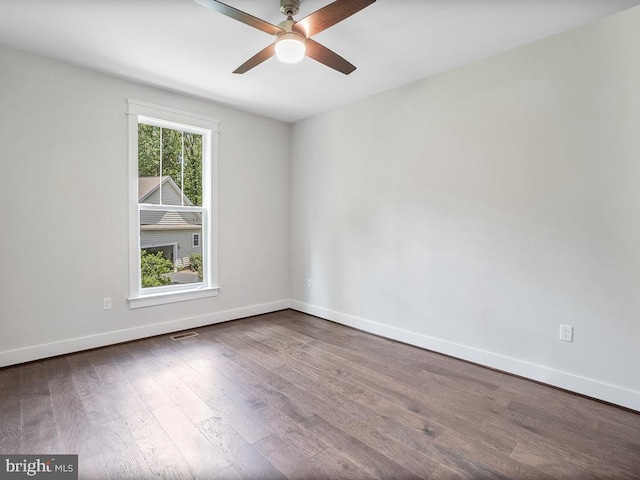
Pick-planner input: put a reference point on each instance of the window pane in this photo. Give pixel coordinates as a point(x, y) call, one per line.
point(171, 159)
point(193, 167)
point(172, 167)
point(168, 253)
point(148, 164)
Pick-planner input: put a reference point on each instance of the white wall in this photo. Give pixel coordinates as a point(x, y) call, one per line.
point(476, 211)
point(470, 213)
point(63, 139)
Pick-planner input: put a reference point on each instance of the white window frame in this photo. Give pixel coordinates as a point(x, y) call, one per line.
point(147, 113)
point(195, 236)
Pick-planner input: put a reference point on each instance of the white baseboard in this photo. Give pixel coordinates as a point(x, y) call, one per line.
point(575, 383)
point(38, 352)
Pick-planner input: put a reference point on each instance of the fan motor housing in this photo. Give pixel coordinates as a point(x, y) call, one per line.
point(290, 8)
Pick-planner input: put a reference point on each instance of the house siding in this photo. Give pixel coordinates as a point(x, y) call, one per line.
point(169, 196)
point(184, 239)
point(148, 217)
point(165, 228)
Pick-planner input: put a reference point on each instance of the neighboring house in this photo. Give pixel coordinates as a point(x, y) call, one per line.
point(177, 235)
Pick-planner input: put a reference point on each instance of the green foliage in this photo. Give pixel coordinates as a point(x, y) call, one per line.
point(195, 260)
point(154, 268)
point(151, 138)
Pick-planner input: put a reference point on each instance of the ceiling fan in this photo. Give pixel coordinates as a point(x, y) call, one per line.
point(293, 38)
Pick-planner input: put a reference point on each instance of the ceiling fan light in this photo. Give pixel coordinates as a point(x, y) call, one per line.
point(290, 47)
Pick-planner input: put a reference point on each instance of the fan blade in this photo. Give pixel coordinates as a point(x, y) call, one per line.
point(257, 59)
point(241, 16)
point(328, 16)
point(327, 57)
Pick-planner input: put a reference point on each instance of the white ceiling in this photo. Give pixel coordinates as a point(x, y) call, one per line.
point(181, 46)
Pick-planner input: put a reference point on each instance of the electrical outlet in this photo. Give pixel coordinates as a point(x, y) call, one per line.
point(566, 333)
point(309, 283)
point(107, 304)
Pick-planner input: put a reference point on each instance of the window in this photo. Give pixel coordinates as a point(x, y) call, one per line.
point(172, 166)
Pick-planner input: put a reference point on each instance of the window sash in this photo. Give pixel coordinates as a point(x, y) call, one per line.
point(171, 208)
point(205, 246)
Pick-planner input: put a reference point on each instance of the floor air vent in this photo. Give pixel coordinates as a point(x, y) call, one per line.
point(182, 336)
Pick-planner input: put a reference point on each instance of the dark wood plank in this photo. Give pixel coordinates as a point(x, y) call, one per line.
point(557, 462)
point(183, 397)
point(11, 431)
point(282, 425)
point(252, 349)
point(248, 422)
point(291, 335)
point(328, 463)
point(98, 402)
point(290, 395)
point(92, 467)
point(204, 459)
point(163, 368)
point(180, 471)
point(334, 463)
point(285, 458)
point(243, 457)
point(120, 452)
point(389, 399)
point(583, 438)
point(156, 447)
point(229, 473)
point(138, 373)
point(369, 458)
point(39, 433)
point(73, 425)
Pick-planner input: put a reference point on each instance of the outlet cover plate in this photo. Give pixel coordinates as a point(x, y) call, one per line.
point(566, 333)
point(107, 304)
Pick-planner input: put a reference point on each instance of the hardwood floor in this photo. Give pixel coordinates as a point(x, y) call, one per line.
point(287, 395)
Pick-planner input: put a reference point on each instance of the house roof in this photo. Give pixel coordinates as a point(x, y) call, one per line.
point(165, 220)
point(148, 185)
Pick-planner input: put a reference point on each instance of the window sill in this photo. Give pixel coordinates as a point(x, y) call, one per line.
point(172, 297)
